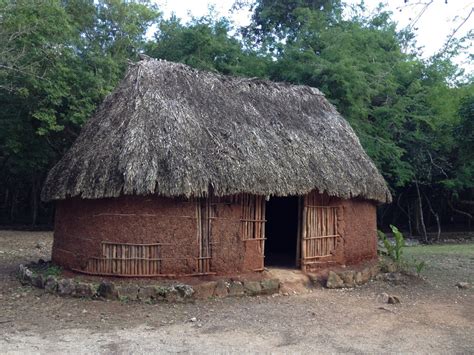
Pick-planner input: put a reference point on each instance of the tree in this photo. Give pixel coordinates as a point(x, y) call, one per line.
point(58, 59)
point(206, 44)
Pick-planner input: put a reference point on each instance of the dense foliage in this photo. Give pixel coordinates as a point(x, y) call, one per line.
point(414, 117)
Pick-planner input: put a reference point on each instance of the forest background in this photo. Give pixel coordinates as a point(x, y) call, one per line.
point(414, 116)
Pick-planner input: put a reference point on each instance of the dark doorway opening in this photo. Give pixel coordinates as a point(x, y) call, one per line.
point(281, 231)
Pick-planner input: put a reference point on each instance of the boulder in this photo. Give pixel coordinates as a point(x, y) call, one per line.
point(66, 287)
point(358, 278)
point(25, 274)
point(205, 290)
point(348, 278)
point(51, 284)
point(365, 275)
point(374, 270)
point(127, 292)
point(222, 289)
point(185, 292)
point(107, 290)
point(147, 293)
point(334, 281)
point(83, 289)
point(270, 286)
point(37, 280)
point(171, 294)
point(161, 292)
point(236, 288)
point(252, 287)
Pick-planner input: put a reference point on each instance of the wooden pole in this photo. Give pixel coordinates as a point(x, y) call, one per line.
point(304, 228)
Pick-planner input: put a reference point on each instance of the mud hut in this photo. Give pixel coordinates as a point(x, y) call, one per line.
point(187, 172)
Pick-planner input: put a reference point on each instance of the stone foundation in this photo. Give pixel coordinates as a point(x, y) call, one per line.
point(150, 293)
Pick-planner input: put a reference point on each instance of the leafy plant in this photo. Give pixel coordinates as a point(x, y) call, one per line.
point(53, 270)
point(393, 250)
point(419, 266)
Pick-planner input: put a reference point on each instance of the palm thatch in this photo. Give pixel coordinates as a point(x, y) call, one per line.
point(172, 130)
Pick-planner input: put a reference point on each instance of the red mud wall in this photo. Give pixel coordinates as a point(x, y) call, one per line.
point(81, 226)
point(359, 229)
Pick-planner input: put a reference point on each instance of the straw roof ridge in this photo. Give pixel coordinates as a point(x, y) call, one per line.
point(172, 130)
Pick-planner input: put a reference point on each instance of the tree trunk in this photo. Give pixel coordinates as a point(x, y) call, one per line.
point(436, 216)
point(410, 227)
point(420, 209)
point(7, 195)
point(13, 206)
point(34, 202)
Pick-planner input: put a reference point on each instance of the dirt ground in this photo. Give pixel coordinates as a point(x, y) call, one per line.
point(434, 316)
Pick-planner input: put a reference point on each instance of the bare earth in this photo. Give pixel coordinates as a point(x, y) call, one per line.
point(434, 316)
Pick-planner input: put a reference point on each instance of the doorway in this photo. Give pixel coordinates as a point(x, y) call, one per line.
point(281, 231)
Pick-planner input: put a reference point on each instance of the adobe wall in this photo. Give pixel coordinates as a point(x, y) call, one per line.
point(357, 225)
point(81, 226)
point(359, 230)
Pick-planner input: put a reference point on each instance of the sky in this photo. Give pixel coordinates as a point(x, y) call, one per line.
point(433, 27)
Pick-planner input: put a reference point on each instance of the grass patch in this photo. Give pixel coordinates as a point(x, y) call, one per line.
point(445, 249)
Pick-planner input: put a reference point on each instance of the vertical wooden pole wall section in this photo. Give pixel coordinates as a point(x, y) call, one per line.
point(320, 236)
point(253, 223)
point(127, 259)
point(205, 214)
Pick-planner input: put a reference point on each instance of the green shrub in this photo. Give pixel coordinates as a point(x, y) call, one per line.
point(393, 250)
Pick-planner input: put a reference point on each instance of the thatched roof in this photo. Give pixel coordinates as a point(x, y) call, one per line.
point(172, 130)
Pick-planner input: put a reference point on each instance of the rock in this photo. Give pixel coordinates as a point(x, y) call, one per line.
point(236, 288)
point(25, 274)
point(270, 286)
point(374, 270)
point(386, 298)
point(463, 285)
point(128, 292)
point(185, 292)
point(205, 290)
point(348, 278)
point(334, 281)
point(193, 319)
point(83, 289)
point(315, 280)
point(51, 284)
point(392, 277)
point(66, 287)
point(222, 289)
point(37, 281)
point(393, 300)
point(171, 294)
point(390, 267)
point(365, 275)
point(107, 290)
point(147, 293)
point(383, 297)
point(252, 287)
point(160, 292)
point(358, 278)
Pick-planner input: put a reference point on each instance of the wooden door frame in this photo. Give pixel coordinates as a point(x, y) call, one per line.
point(299, 239)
